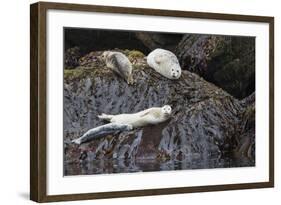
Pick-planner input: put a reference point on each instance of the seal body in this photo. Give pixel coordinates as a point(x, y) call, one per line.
point(120, 64)
point(149, 116)
point(101, 131)
point(165, 63)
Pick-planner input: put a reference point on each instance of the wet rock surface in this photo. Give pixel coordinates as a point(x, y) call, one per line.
point(208, 129)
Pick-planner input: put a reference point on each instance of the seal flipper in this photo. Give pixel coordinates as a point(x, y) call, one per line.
point(105, 117)
point(144, 114)
point(159, 58)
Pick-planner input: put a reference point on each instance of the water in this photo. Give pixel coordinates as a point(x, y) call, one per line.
point(109, 166)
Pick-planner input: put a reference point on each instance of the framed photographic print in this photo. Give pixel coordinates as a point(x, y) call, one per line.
point(133, 102)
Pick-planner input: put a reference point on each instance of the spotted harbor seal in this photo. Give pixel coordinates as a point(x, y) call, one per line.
point(149, 116)
point(101, 131)
point(165, 63)
point(119, 63)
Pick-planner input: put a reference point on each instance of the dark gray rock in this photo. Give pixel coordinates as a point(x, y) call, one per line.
point(153, 40)
point(227, 61)
point(205, 121)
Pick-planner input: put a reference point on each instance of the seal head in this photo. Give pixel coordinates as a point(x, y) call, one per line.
point(176, 71)
point(166, 110)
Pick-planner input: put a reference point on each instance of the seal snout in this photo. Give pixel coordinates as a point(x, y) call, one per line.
point(164, 62)
point(175, 76)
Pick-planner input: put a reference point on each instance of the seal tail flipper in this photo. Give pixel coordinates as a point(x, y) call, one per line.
point(76, 141)
point(105, 117)
point(130, 80)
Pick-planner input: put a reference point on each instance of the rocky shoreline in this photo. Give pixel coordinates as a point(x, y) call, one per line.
point(207, 125)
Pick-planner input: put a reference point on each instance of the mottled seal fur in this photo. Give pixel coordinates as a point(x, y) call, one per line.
point(119, 63)
point(165, 63)
point(149, 116)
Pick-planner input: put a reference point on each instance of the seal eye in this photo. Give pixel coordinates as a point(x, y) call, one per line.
point(172, 69)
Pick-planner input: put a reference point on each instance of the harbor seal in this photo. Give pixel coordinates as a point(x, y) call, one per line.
point(119, 63)
point(149, 116)
point(101, 131)
point(165, 63)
